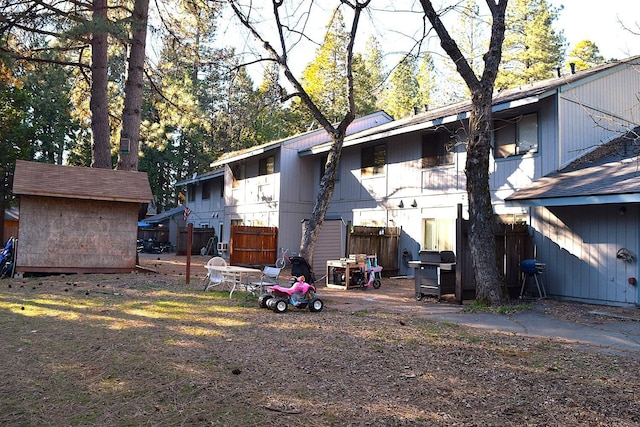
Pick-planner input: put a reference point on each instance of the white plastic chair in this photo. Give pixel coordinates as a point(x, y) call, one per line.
point(270, 276)
point(213, 277)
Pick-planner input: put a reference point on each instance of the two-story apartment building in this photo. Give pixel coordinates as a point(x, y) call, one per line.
point(266, 185)
point(409, 173)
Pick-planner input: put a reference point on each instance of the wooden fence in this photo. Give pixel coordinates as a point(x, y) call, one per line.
point(380, 241)
point(256, 246)
point(513, 244)
point(199, 240)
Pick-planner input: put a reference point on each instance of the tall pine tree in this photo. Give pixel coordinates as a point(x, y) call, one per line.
point(371, 84)
point(532, 49)
point(585, 54)
point(324, 78)
point(426, 81)
point(402, 93)
point(472, 35)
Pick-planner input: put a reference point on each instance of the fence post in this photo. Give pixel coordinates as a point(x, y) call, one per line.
point(189, 238)
point(347, 239)
point(460, 247)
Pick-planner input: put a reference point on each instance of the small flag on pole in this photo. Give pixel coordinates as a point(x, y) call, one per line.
point(187, 212)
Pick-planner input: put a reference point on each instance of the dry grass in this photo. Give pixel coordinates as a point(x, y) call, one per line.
point(149, 350)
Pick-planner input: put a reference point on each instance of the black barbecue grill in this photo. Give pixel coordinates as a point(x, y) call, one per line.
point(435, 274)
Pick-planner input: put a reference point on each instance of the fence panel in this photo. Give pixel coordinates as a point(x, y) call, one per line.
point(257, 246)
point(199, 240)
point(513, 244)
point(380, 241)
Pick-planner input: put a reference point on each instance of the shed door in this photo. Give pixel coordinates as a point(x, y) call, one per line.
point(330, 245)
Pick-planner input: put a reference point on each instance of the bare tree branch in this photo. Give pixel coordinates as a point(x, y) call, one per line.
point(19, 57)
point(327, 182)
point(450, 46)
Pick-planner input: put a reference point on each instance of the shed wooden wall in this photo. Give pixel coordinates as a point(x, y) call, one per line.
point(60, 235)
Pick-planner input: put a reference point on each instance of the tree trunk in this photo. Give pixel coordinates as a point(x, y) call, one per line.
point(101, 146)
point(489, 281)
point(482, 244)
point(131, 115)
point(327, 183)
point(325, 193)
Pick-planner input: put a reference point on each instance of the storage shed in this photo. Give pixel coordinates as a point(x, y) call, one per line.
point(76, 219)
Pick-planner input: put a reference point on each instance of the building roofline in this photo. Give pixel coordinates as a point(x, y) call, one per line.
point(198, 178)
point(606, 175)
point(260, 149)
point(502, 101)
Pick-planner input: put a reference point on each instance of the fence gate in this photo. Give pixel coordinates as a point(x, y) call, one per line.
point(513, 244)
point(256, 246)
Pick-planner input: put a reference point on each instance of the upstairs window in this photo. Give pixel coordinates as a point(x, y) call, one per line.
point(515, 136)
point(267, 165)
point(373, 160)
point(206, 190)
point(437, 150)
point(191, 193)
point(238, 171)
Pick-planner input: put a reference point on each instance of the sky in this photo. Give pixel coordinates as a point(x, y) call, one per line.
point(592, 20)
point(598, 21)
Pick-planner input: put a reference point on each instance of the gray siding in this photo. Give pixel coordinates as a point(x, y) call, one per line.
point(330, 245)
point(580, 245)
point(206, 208)
point(597, 110)
point(513, 173)
point(285, 198)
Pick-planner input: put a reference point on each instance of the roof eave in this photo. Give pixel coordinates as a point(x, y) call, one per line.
point(246, 155)
point(199, 178)
point(428, 124)
point(85, 197)
point(596, 199)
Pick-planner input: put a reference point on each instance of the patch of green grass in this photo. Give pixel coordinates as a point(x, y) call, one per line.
point(377, 347)
point(360, 313)
point(482, 307)
point(476, 305)
point(432, 329)
point(472, 338)
point(514, 308)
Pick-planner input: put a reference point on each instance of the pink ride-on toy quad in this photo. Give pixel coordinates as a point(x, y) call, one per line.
point(300, 295)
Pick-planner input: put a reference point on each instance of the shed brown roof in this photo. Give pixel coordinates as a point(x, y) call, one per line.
point(42, 179)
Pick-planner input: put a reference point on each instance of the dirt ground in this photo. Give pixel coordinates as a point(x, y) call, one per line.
point(150, 349)
point(396, 295)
